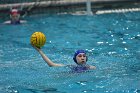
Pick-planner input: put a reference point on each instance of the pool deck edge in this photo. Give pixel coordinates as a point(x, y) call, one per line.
point(61, 3)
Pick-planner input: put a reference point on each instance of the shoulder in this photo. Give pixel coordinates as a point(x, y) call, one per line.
point(23, 21)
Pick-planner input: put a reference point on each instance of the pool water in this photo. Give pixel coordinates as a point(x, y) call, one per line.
point(111, 40)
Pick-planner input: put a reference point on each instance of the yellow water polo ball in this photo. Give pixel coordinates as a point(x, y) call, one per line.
point(38, 39)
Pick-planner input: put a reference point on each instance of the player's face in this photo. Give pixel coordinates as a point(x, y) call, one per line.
point(15, 16)
point(81, 58)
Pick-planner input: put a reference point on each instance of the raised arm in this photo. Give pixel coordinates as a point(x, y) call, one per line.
point(46, 59)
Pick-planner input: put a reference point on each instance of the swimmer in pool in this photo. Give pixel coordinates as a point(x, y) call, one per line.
point(80, 58)
point(15, 18)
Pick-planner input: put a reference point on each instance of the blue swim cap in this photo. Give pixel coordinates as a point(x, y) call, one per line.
point(76, 53)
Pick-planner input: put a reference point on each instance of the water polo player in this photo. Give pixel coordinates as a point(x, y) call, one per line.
point(15, 17)
point(80, 58)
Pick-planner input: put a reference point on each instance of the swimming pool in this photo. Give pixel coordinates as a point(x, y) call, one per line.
point(111, 40)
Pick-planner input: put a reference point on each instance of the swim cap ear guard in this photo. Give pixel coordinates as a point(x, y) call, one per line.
point(78, 52)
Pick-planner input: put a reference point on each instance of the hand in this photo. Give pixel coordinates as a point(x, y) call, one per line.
point(92, 67)
point(38, 49)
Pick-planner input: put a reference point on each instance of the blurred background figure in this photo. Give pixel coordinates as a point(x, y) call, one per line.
point(15, 17)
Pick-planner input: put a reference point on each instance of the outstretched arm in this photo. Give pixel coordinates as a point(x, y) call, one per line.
point(46, 59)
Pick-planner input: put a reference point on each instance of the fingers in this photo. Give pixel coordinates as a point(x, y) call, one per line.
point(37, 48)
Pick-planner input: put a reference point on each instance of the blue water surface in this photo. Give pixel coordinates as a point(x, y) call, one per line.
point(112, 42)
